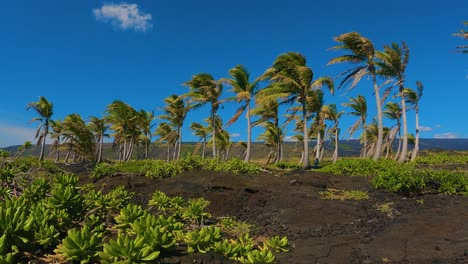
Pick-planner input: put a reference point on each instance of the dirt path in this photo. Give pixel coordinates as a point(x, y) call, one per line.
point(427, 229)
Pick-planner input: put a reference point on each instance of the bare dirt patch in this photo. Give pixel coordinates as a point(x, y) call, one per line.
point(426, 229)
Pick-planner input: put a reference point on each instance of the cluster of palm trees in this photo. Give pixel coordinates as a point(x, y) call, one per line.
point(288, 81)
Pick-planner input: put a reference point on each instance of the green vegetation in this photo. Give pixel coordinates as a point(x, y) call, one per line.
point(58, 221)
point(404, 179)
point(334, 194)
point(433, 158)
point(157, 169)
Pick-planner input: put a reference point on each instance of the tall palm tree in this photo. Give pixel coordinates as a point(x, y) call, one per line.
point(392, 62)
point(79, 138)
point(204, 89)
point(463, 34)
point(393, 111)
point(268, 111)
point(359, 106)
point(362, 57)
point(145, 123)
point(202, 133)
point(331, 113)
point(166, 133)
point(413, 97)
point(123, 120)
point(45, 110)
point(175, 112)
point(245, 91)
point(271, 136)
point(99, 128)
point(292, 79)
point(56, 135)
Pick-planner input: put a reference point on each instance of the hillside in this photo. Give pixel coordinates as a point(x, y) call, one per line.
point(291, 149)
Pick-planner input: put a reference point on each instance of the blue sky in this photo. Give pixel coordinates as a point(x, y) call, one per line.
point(82, 55)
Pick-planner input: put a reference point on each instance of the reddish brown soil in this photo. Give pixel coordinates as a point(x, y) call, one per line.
point(426, 229)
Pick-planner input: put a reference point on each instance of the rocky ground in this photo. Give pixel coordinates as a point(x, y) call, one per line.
point(424, 229)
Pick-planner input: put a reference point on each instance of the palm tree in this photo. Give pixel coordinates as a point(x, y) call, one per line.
point(205, 90)
point(359, 106)
point(413, 97)
point(292, 79)
point(463, 34)
point(124, 122)
point(45, 110)
point(331, 113)
point(393, 61)
point(271, 136)
point(145, 123)
point(166, 133)
point(393, 111)
point(175, 112)
point(362, 58)
point(245, 91)
point(267, 111)
point(98, 127)
point(79, 138)
point(56, 135)
point(202, 133)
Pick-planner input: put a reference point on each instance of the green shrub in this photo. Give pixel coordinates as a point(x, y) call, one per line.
point(447, 182)
point(102, 170)
point(400, 179)
point(80, 245)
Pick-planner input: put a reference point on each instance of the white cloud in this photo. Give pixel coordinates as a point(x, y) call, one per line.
point(447, 135)
point(290, 139)
point(124, 16)
point(15, 135)
point(425, 128)
point(234, 135)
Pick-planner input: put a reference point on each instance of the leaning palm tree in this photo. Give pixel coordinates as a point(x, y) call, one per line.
point(79, 138)
point(271, 136)
point(165, 133)
point(99, 128)
point(362, 59)
point(413, 97)
point(204, 89)
point(359, 106)
point(174, 114)
point(393, 111)
point(202, 133)
point(56, 135)
point(123, 120)
point(245, 91)
point(44, 109)
point(392, 62)
point(331, 113)
point(463, 34)
point(292, 79)
point(267, 111)
point(145, 123)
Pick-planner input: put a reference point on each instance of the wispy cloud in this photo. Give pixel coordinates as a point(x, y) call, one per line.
point(290, 139)
point(447, 135)
point(425, 128)
point(234, 135)
point(124, 16)
point(15, 135)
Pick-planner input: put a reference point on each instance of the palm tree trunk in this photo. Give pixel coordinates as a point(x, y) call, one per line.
point(399, 143)
point(414, 154)
point(364, 151)
point(306, 160)
point(99, 158)
point(213, 132)
point(203, 148)
point(46, 130)
point(180, 143)
point(319, 145)
point(404, 150)
point(335, 155)
point(146, 149)
point(168, 152)
point(378, 147)
point(249, 133)
point(57, 157)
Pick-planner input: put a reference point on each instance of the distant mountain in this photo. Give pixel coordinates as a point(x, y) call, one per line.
point(349, 147)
